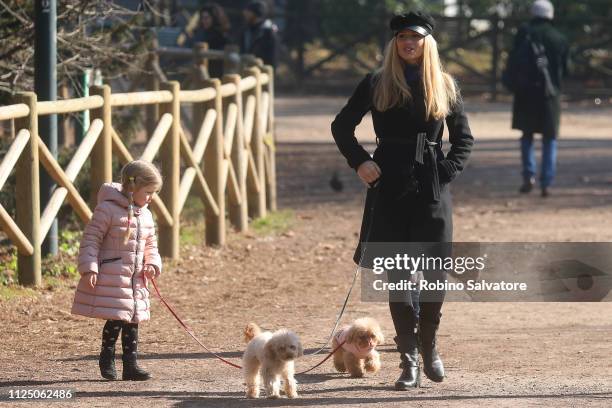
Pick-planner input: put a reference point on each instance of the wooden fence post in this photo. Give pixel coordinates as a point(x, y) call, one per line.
point(64, 128)
point(102, 154)
point(213, 166)
point(257, 199)
point(270, 141)
point(169, 236)
point(238, 212)
point(27, 194)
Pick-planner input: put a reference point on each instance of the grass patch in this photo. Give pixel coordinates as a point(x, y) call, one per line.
point(274, 223)
point(193, 211)
point(9, 292)
point(192, 234)
point(64, 264)
point(192, 225)
point(8, 266)
point(55, 269)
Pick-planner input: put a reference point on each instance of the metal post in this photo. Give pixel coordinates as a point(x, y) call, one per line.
point(45, 86)
point(83, 124)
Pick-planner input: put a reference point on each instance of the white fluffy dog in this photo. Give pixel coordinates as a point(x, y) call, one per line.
point(272, 356)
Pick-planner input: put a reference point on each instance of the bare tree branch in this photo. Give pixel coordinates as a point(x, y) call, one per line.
point(89, 34)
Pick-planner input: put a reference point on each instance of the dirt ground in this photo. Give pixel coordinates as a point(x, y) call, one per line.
point(501, 354)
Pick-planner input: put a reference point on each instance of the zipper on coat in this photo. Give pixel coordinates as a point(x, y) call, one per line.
point(135, 263)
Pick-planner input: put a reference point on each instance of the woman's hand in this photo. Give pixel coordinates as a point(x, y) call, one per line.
point(92, 278)
point(369, 172)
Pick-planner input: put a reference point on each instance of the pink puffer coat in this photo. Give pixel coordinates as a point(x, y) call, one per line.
point(121, 291)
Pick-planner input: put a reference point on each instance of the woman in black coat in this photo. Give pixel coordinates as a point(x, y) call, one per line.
point(410, 98)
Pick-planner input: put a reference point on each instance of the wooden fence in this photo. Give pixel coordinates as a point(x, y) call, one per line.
point(231, 153)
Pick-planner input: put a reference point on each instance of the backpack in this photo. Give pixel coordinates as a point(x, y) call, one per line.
point(527, 69)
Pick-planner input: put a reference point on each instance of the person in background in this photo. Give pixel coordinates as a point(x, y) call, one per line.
point(213, 28)
point(260, 36)
point(536, 67)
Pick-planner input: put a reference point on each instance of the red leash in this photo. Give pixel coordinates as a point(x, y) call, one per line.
point(190, 332)
point(324, 360)
point(188, 329)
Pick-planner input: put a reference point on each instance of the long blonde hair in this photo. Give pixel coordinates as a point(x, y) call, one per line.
point(134, 176)
point(390, 88)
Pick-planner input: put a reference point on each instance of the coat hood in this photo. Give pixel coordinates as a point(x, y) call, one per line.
point(112, 192)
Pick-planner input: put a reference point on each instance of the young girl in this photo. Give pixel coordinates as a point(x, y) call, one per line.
point(117, 256)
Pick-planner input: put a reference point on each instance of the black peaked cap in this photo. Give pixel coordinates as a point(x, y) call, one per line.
point(417, 21)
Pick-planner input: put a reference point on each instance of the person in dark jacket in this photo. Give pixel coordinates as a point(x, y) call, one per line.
point(213, 29)
point(537, 109)
point(410, 98)
point(260, 36)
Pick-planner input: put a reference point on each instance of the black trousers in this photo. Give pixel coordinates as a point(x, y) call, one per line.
point(129, 336)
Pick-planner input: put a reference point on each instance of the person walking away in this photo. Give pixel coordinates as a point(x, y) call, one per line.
point(260, 37)
point(536, 67)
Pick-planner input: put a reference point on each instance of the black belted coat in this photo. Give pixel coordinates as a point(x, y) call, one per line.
point(409, 148)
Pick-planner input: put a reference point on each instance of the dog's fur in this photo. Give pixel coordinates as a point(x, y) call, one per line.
point(271, 356)
point(363, 332)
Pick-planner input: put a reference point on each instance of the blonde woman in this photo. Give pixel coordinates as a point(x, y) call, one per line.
point(410, 98)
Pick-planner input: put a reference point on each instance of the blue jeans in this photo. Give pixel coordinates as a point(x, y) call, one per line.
point(549, 158)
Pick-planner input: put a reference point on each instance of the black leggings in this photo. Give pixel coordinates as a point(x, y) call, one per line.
point(404, 318)
point(129, 340)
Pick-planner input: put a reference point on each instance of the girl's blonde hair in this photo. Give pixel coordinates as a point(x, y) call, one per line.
point(134, 176)
point(391, 89)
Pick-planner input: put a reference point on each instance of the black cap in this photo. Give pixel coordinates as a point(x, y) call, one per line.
point(258, 7)
point(416, 21)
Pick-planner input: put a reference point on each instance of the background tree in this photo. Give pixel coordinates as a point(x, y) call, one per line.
point(90, 34)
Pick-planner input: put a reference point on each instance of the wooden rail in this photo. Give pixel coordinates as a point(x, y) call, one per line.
point(231, 154)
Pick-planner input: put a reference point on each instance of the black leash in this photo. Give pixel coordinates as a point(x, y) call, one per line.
point(375, 185)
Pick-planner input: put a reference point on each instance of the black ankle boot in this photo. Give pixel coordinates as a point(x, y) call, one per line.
point(409, 354)
point(107, 363)
point(129, 340)
point(131, 371)
point(432, 364)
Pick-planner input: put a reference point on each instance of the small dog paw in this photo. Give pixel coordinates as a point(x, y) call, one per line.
point(293, 394)
point(372, 366)
point(274, 396)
